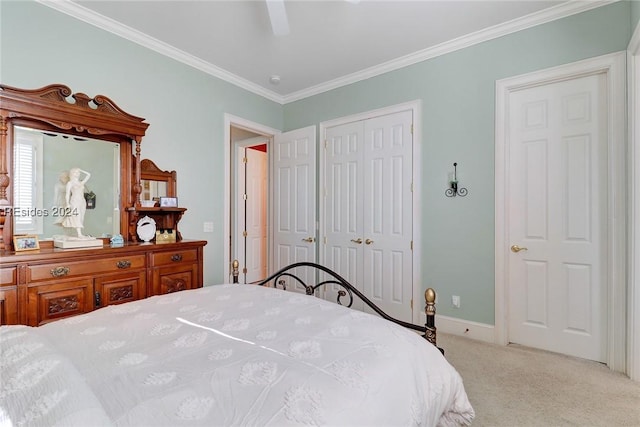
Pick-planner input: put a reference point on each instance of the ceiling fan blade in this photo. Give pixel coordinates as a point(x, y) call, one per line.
point(278, 17)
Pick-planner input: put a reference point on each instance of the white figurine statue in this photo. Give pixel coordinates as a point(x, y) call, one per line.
point(75, 203)
point(59, 197)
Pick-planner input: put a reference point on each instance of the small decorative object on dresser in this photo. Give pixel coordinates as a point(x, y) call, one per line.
point(168, 202)
point(146, 228)
point(117, 241)
point(27, 242)
point(165, 236)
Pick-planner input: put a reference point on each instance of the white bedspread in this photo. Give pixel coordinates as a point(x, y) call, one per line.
point(226, 355)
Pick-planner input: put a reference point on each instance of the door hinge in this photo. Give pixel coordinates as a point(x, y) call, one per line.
point(411, 245)
point(244, 196)
point(411, 128)
point(325, 240)
point(245, 160)
point(411, 187)
point(244, 233)
point(326, 144)
point(411, 303)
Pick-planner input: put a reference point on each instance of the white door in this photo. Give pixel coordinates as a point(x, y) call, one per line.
point(557, 208)
point(343, 244)
point(256, 215)
point(251, 214)
point(388, 207)
point(368, 209)
point(294, 207)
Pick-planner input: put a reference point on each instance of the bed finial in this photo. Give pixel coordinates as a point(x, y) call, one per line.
point(235, 270)
point(430, 311)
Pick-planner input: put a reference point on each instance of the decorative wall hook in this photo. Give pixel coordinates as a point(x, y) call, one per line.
point(453, 189)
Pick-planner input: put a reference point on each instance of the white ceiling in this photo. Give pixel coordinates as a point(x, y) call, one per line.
point(330, 44)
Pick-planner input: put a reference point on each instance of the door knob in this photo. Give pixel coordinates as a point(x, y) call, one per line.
point(368, 241)
point(516, 249)
point(358, 241)
point(309, 239)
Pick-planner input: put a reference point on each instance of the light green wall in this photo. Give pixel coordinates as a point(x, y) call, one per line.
point(635, 13)
point(185, 107)
point(457, 92)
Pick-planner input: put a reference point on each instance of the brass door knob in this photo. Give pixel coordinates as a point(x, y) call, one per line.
point(309, 239)
point(358, 241)
point(516, 249)
point(368, 241)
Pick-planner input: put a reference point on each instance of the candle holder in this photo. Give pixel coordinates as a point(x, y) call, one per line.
point(453, 189)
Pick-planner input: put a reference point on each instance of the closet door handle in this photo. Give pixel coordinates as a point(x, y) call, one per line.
point(368, 241)
point(358, 241)
point(309, 239)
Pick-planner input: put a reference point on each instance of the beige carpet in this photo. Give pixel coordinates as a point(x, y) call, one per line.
point(519, 386)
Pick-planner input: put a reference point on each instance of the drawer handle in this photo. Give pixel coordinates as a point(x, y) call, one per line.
point(176, 257)
point(60, 271)
point(124, 264)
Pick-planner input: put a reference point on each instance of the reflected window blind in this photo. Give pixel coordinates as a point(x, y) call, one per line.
point(27, 185)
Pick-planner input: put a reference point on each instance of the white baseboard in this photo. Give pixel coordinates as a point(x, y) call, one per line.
point(463, 328)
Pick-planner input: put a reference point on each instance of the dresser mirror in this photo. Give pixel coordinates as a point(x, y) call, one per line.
point(41, 162)
point(155, 182)
point(72, 130)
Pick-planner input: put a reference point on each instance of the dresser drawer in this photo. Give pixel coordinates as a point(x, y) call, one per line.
point(84, 268)
point(173, 257)
point(8, 276)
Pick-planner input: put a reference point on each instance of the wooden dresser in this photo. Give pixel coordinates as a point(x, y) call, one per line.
point(37, 287)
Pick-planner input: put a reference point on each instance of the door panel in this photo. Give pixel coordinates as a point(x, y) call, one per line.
point(387, 215)
point(368, 209)
point(557, 203)
point(343, 205)
point(256, 205)
point(294, 199)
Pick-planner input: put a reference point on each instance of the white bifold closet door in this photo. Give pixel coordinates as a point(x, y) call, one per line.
point(367, 209)
point(294, 194)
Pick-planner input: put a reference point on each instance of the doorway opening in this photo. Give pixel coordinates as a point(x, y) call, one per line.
point(247, 189)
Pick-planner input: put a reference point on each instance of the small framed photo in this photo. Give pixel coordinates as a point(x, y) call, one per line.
point(27, 242)
point(168, 202)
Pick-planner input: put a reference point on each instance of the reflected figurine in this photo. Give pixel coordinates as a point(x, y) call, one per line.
point(75, 202)
point(59, 197)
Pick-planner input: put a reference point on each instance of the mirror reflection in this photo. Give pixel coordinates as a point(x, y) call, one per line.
point(42, 162)
point(153, 189)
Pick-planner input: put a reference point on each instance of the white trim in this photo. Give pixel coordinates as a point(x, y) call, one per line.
point(612, 66)
point(537, 18)
point(633, 72)
point(553, 13)
point(93, 18)
point(416, 108)
point(462, 328)
point(231, 120)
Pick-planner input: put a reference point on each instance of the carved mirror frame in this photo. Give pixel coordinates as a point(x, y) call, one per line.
point(150, 171)
point(49, 108)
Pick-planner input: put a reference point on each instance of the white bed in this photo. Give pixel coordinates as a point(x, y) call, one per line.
point(226, 355)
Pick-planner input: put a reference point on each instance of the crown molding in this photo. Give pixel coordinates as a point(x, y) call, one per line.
point(537, 18)
point(547, 15)
point(90, 17)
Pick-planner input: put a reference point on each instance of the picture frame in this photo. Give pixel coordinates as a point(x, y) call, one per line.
point(26, 242)
point(168, 202)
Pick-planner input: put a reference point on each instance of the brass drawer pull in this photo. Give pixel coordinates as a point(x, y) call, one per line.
point(60, 271)
point(124, 264)
point(176, 257)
